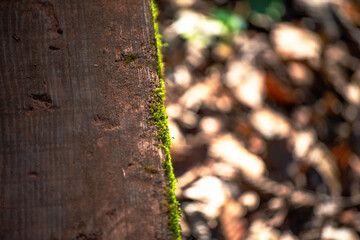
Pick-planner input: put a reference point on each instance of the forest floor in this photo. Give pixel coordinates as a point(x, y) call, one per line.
point(263, 100)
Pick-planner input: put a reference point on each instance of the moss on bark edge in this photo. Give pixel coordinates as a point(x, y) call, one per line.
point(159, 118)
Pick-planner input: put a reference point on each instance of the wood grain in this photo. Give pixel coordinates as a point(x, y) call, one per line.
point(75, 143)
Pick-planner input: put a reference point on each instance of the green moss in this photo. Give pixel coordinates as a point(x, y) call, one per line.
point(159, 118)
point(150, 170)
point(132, 57)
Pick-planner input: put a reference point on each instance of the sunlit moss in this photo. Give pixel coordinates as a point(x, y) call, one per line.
point(159, 118)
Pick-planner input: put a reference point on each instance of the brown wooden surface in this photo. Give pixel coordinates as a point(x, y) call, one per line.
point(75, 145)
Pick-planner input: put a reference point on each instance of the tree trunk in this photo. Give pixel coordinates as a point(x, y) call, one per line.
point(78, 156)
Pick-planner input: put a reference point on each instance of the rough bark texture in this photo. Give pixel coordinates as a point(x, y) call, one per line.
point(78, 158)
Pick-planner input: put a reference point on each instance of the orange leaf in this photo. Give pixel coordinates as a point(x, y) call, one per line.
point(277, 91)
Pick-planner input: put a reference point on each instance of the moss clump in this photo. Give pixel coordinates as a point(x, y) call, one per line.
point(150, 170)
point(132, 57)
point(159, 118)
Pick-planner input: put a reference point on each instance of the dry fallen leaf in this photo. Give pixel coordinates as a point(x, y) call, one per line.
point(178, 143)
point(351, 93)
point(300, 74)
point(292, 42)
point(198, 93)
point(210, 125)
point(250, 200)
point(302, 141)
point(227, 148)
point(322, 160)
point(246, 82)
point(211, 193)
point(260, 230)
point(278, 91)
point(233, 225)
point(182, 76)
point(333, 233)
point(270, 123)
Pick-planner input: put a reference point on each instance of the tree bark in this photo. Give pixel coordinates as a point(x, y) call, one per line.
point(78, 156)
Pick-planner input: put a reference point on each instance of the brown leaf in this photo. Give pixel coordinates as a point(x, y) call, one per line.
point(342, 154)
point(277, 91)
point(232, 224)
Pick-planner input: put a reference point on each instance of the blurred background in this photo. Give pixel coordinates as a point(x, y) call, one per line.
point(263, 100)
